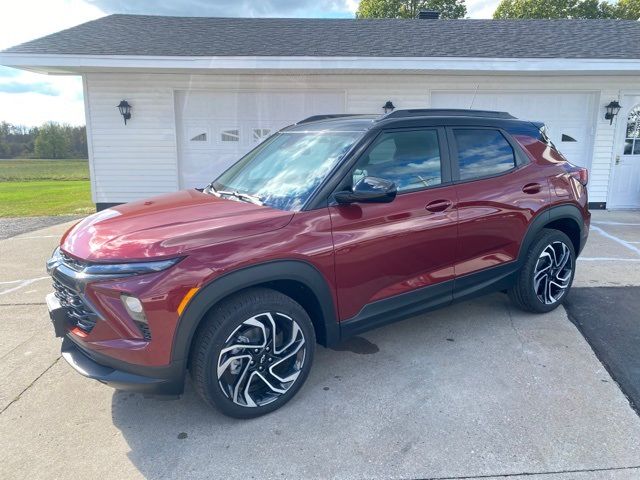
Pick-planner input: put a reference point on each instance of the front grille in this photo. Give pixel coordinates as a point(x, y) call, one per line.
point(79, 314)
point(144, 329)
point(72, 263)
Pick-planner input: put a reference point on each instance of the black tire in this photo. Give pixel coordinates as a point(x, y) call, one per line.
point(226, 326)
point(524, 293)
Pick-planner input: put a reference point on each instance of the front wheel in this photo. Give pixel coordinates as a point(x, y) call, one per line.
point(545, 279)
point(253, 353)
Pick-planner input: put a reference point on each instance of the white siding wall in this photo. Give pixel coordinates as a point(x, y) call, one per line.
point(603, 147)
point(141, 159)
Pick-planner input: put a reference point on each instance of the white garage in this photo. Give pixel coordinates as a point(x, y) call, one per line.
point(203, 91)
point(217, 128)
point(569, 117)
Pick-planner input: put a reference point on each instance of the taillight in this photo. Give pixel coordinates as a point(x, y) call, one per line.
point(579, 173)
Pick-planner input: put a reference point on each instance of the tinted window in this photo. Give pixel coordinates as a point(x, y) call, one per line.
point(411, 159)
point(482, 153)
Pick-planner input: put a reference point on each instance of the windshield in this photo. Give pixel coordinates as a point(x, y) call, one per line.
point(285, 170)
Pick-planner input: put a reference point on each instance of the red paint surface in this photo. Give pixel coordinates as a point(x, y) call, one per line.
point(364, 252)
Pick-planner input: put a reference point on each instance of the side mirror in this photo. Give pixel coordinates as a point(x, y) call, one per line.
point(368, 190)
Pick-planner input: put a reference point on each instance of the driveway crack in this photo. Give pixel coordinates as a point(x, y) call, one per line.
point(30, 385)
point(521, 339)
point(531, 474)
point(21, 304)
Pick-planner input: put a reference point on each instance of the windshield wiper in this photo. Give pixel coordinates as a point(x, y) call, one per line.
point(245, 197)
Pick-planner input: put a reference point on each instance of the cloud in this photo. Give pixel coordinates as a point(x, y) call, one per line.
point(253, 8)
point(42, 88)
point(19, 23)
point(230, 8)
point(481, 8)
point(7, 72)
point(28, 98)
point(32, 99)
point(32, 109)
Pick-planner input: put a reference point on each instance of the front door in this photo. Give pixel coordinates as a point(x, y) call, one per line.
point(385, 250)
point(625, 184)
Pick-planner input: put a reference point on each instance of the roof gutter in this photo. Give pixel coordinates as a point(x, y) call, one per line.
point(76, 64)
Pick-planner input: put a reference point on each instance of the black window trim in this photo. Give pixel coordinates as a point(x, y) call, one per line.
point(445, 160)
point(521, 159)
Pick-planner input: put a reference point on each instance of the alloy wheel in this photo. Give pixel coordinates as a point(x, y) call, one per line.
point(552, 273)
point(261, 359)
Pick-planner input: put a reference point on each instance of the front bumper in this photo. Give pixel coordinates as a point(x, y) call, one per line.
point(115, 373)
point(118, 379)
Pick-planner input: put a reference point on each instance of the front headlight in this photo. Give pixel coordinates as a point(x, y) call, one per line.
point(81, 269)
point(133, 268)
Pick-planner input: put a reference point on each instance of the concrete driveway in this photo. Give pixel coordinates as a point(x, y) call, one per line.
point(477, 390)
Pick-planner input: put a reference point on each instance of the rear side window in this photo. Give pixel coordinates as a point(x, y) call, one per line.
point(410, 159)
point(482, 152)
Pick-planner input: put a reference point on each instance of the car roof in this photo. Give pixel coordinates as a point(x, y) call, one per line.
point(403, 118)
point(334, 123)
point(448, 112)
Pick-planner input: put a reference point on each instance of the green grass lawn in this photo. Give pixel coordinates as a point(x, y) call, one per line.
point(44, 187)
point(22, 170)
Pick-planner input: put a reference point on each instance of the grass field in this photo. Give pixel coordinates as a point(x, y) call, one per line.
point(44, 187)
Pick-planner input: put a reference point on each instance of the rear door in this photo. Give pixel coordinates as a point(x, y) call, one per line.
point(385, 250)
point(498, 192)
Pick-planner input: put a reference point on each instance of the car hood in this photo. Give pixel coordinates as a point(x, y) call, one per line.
point(168, 225)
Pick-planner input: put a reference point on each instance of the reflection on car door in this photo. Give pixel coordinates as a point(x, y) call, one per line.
point(385, 250)
point(498, 193)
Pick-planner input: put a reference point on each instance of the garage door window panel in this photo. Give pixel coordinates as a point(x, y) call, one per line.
point(230, 135)
point(198, 136)
point(411, 159)
point(482, 153)
point(260, 134)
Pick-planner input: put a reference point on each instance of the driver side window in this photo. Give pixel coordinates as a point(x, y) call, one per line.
point(409, 158)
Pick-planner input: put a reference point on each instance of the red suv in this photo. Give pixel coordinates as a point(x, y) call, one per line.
point(331, 227)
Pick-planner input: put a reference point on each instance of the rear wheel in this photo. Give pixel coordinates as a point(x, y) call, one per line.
point(253, 354)
point(547, 274)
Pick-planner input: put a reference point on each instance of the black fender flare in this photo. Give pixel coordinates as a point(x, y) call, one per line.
point(547, 216)
point(234, 281)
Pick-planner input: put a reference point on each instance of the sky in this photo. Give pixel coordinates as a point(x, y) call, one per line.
point(31, 99)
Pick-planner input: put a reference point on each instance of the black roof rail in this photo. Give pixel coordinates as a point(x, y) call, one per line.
point(315, 118)
point(445, 112)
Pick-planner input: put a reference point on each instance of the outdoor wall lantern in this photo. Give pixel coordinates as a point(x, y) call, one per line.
point(388, 107)
point(125, 110)
point(612, 110)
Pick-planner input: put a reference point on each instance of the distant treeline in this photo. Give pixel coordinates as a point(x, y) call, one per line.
point(50, 140)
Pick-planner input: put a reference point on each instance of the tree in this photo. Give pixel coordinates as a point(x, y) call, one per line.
point(56, 141)
point(410, 8)
point(78, 141)
point(52, 141)
point(623, 9)
point(628, 9)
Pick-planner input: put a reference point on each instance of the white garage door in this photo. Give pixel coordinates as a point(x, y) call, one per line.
point(568, 116)
point(216, 128)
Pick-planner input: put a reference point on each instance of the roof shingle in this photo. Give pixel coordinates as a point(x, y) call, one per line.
point(203, 36)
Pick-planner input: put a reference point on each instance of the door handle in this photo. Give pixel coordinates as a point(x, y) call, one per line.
point(532, 188)
point(438, 205)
